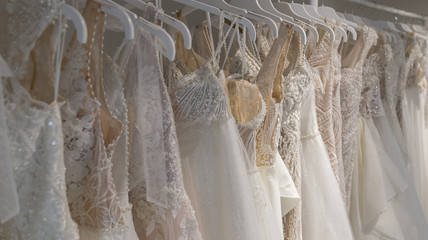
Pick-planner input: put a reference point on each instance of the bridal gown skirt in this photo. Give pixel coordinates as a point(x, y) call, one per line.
point(281, 190)
point(217, 181)
point(376, 184)
point(406, 204)
point(413, 125)
point(323, 211)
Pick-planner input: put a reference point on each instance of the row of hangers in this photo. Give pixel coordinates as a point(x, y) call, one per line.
point(301, 17)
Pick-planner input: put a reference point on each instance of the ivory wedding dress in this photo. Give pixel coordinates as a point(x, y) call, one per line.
point(288, 194)
point(161, 206)
point(412, 106)
point(32, 116)
point(213, 156)
point(324, 214)
point(120, 158)
point(406, 204)
point(91, 133)
point(326, 63)
point(372, 213)
point(353, 57)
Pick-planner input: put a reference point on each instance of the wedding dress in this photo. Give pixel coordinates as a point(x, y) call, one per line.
point(161, 206)
point(271, 165)
point(325, 61)
point(372, 213)
point(120, 158)
point(287, 186)
point(412, 106)
point(389, 85)
point(212, 153)
point(249, 109)
point(295, 86)
point(353, 56)
point(91, 133)
point(405, 204)
point(9, 203)
point(34, 125)
point(324, 214)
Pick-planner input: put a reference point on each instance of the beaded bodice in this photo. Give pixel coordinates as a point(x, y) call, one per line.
point(374, 69)
point(199, 97)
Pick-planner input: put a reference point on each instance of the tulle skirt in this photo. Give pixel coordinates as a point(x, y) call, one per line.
point(324, 214)
point(406, 204)
point(413, 130)
point(280, 188)
point(377, 182)
point(219, 186)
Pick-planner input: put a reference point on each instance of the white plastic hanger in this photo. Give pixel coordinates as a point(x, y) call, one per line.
point(266, 20)
point(331, 13)
point(268, 6)
point(254, 6)
point(245, 22)
point(197, 5)
point(175, 23)
point(285, 8)
point(301, 10)
point(82, 36)
point(120, 13)
point(192, 5)
point(152, 28)
point(78, 21)
point(222, 5)
point(261, 18)
point(161, 34)
point(404, 26)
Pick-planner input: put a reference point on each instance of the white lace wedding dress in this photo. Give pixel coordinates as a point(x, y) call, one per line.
point(324, 215)
point(353, 57)
point(249, 109)
point(34, 125)
point(413, 105)
point(405, 204)
point(213, 156)
point(161, 206)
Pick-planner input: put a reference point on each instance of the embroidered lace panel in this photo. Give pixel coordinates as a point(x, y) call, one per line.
point(88, 150)
point(350, 92)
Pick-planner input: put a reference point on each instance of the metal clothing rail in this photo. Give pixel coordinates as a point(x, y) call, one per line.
point(381, 7)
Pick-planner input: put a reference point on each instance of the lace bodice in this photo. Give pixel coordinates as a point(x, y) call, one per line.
point(350, 92)
point(325, 62)
point(161, 207)
point(269, 81)
point(90, 134)
point(296, 85)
